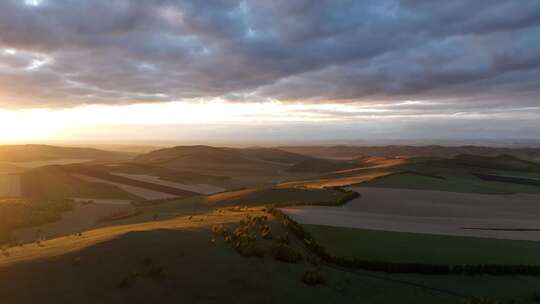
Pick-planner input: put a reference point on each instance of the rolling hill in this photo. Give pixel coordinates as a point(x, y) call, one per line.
point(269, 161)
point(350, 152)
point(475, 162)
point(28, 153)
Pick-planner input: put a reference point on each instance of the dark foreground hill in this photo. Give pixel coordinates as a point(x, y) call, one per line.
point(24, 153)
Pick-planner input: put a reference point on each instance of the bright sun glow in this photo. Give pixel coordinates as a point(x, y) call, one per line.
point(42, 124)
point(24, 125)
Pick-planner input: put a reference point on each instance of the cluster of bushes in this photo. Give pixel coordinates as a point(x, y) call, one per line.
point(245, 240)
point(285, 253)
point(313, 277)
point(373, 265)
point(244, 237)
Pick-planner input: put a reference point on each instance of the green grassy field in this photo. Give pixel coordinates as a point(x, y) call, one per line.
point(423, 248)
point(453, 183)
point(533, 175)
point(277, 196)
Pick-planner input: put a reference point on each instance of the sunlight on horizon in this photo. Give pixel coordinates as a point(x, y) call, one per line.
point(49, 124)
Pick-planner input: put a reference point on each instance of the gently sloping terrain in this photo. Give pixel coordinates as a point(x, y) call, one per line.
point(34, 153)
point(222, 161)
point(477, 162)
point(350, 152)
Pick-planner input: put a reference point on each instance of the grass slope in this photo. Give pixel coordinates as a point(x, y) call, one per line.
point(423, 248)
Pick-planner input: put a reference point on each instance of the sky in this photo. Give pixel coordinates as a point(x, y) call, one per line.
point(269, 71)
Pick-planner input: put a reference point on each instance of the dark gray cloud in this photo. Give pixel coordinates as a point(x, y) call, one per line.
point(464, 55)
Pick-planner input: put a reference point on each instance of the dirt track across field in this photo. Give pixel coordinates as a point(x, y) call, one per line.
point(515, 216)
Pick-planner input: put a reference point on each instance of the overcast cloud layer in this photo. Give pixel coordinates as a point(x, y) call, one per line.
point(450, 57)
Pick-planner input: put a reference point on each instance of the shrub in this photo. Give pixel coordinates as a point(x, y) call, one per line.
point(312, 277)
point(283, 239)
point(266, 233)
point(249, 249)
point(284, 253)
point(217, 229)
point(314, 260)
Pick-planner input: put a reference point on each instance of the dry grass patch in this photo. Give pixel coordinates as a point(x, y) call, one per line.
point(334, 182)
